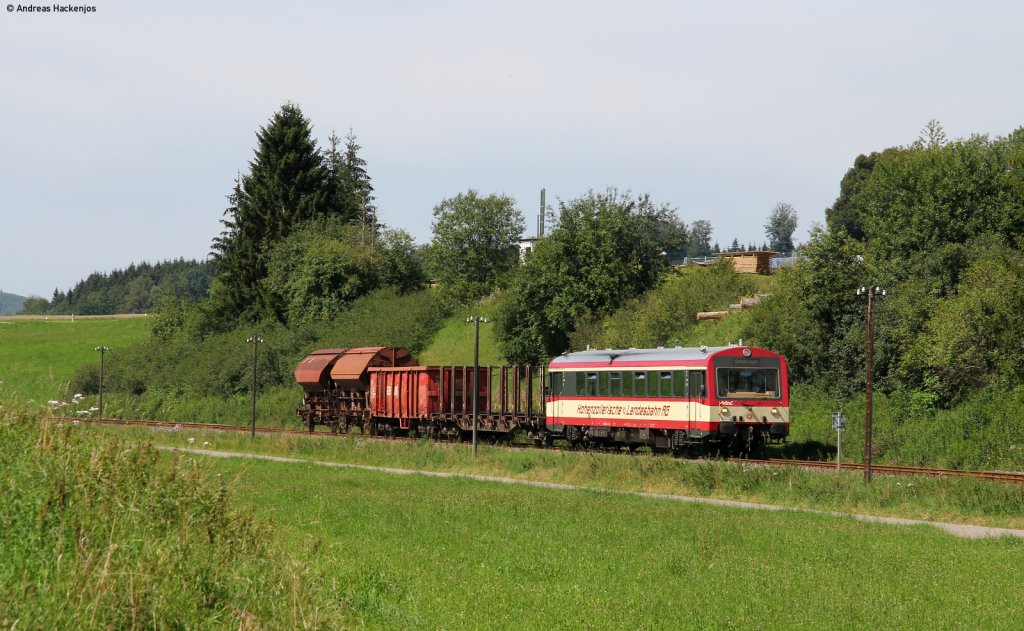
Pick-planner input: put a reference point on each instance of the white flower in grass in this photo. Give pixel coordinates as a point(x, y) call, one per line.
point(191, 440)
point(206, 443)
point(94, 409)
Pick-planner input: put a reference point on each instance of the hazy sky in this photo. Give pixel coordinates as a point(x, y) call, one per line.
point(121, 130)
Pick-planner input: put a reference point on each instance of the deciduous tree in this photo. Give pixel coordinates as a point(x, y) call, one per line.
point(475, 243)
point(780, 227)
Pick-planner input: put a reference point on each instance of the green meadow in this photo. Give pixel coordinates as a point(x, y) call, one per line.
point(39, 357)
point(416, 552)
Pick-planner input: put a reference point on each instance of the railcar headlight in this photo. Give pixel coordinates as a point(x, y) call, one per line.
point(775, 411)
point(725, 411)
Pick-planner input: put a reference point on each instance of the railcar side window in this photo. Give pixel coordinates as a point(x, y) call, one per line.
point(581, 383)
point(679, 383)
point(640, 384)
point(615, 384)
point(627, 384)
point(665, 383)
point(602, 384)
point(568, 384)
point(652, 383)
point(591, 387)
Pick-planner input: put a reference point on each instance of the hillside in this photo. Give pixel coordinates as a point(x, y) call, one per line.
point(11, 304)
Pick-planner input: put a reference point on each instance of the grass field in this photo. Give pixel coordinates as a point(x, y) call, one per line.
point(39, 357)
point(413, 552)
point(955, 500)
point(453, 344)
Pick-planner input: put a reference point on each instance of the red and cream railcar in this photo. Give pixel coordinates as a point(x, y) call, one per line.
point(733, 397)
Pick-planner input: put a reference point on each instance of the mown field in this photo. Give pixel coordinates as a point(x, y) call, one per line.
point(39, 357)
point(414, 552)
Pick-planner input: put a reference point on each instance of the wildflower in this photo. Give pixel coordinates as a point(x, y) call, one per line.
point(206, 443)
point(191, 440)
point(93, 409)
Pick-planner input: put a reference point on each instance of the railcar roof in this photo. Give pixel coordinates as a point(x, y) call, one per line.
point(611, 355)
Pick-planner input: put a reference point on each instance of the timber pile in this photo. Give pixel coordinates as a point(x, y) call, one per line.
point(744, 303)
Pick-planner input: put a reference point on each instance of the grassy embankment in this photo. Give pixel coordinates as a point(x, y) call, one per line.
point(412, 552)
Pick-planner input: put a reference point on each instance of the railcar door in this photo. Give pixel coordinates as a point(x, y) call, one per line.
point(553, 401)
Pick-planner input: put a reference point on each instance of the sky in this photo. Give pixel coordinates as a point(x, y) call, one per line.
point(123, 129)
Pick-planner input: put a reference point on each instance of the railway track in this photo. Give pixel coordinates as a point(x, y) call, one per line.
point(1000, 476)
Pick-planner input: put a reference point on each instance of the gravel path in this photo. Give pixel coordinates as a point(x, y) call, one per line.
point(961, 530)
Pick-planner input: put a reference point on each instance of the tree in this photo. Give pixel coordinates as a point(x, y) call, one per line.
point(916, 205)
point(400, 261)
point(475, 243)
point(845, 213)
point(287, 185)
point(780, 227)
point(933, 136)
point(317, 271)
point(604, 251)
point(360, 189)
point(699, 243)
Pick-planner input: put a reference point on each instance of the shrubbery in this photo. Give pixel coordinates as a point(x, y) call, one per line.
point(181, 358)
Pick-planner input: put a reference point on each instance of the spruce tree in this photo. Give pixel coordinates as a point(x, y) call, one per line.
point(287, 185)
point(360, 189)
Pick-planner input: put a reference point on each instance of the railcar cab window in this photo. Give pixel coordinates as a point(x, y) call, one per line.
point(748, 383)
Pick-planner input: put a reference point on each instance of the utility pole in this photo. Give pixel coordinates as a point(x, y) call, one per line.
point(476, 320)
point(102, 350)
point(255, 341)
point(869, 292)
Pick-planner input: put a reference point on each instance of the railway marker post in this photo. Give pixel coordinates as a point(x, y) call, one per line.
point(102, 350)
point(476, 320)
point(255, 341)
point(839, 425)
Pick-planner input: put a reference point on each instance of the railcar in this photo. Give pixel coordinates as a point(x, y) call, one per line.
point(734, 398)
point(335, 383)
point(382, 390)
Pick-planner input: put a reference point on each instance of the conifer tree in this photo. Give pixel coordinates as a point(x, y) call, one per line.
point(287, 184)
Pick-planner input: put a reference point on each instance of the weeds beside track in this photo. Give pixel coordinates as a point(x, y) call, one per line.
point(1001, 476)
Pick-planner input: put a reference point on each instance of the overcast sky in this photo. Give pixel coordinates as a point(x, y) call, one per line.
point(121, 130)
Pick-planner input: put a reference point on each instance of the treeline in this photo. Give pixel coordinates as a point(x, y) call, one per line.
point(138, 288)
point(938, 225)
